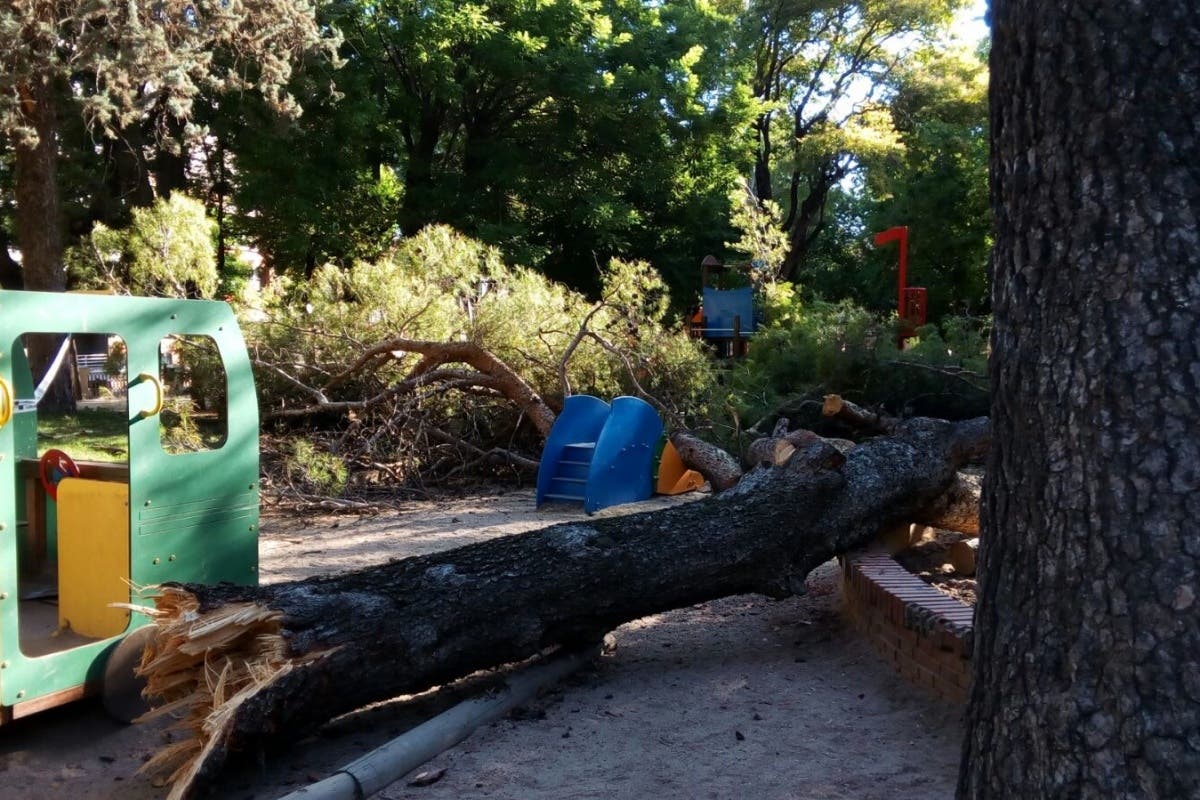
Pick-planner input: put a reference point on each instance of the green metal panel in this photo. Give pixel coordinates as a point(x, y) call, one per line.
point(193, 516)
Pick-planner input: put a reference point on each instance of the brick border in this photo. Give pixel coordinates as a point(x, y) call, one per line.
point(924, 634)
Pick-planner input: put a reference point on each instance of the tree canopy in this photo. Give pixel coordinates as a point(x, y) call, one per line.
point(564, 133)
point(128, 67)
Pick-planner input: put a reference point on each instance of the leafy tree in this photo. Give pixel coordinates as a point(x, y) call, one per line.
point(166, 251)
point(565, 132)
point(937, 185)
point(820, 75)
point(1086, 681)
point(119, 62)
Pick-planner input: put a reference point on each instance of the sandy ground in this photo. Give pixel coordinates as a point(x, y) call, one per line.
point(738, 698)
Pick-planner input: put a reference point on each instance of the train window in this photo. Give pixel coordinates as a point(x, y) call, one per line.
point(195, 409)
point(71, 437)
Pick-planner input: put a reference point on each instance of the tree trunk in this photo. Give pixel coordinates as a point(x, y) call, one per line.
point(958, 507)
point(1087, 673)
point(806, 217)
point(39, 229)
point(171, 159)
point(418, 208)
point(39, 220)
point(253, 664)
point(762, 159)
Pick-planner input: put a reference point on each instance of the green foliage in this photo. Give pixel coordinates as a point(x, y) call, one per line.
point(127, 57)
point(939, 187)
point(441, 286)
point(167, 250)
point(936, 185)
point(565, 133)
point(314, 471)
point(841, 348)
point(760, 223)
point(178, 431)
point(820, 76)
point(779, 303)
point(316, 189)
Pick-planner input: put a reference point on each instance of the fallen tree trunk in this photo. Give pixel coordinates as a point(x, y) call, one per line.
point(958, 507)
point(248, 665)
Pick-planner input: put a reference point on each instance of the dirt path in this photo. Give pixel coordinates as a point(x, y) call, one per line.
point(739, 698)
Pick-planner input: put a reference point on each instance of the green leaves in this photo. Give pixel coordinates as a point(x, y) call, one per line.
point(126, 59)
point(167, 251)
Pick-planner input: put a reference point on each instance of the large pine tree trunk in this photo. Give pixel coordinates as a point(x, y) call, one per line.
point(1087, 640)
point(39, 229)
point(250, 665)
point(39, 223)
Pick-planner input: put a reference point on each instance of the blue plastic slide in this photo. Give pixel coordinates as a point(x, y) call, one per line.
point(600, 455)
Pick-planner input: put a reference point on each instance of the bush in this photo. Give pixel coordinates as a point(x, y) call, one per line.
point(314, 471)
point(167, 251)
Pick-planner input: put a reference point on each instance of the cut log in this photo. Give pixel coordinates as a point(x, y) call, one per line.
point(719, 468)
point(248, 666)
point(778, 448)
point(837, 407)
point(769, 450)
point(962, 556)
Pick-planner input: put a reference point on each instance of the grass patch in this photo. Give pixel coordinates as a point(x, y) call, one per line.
point(86, 435)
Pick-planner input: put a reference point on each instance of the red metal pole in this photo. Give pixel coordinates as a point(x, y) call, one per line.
point(898, 234)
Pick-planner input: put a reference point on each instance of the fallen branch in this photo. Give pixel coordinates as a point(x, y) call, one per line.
point(975, 380)
point(490, 373)
point(493, 455)
point(837, 407)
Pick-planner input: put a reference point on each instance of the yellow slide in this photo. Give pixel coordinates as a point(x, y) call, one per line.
point(673, 476)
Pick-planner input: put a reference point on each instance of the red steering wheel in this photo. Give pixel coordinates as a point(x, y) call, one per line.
point(53, 467)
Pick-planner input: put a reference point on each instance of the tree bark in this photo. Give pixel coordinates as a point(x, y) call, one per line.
point(720, 469)
point(39, 219)
point(958, 507)
point(806, 218)
point(1087, 674)
point(249, 665)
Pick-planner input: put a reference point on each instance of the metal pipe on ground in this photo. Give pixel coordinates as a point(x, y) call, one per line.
point(385, 765)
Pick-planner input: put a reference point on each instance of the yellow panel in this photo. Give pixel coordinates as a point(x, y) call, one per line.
point(93, 556)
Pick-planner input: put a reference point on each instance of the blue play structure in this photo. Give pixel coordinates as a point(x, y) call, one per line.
point(599, 454)
point(727, 316)
point(728, 312)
